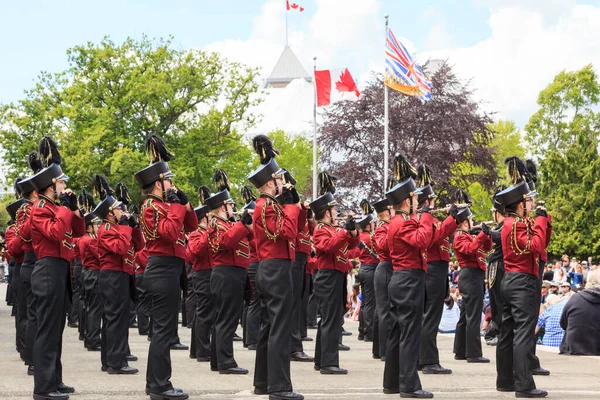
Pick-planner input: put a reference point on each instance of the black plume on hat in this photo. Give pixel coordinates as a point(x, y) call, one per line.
point(100, 187)
point(390, 184)
point(461, 197)
point(49, 151)
point(35, 162)
point(18, 191)
point(403, 169)
point(424, 175)
point(86, 201)
point(498, 189)
point(516, 169)
point(156, 149)
point(122, 193)
point(366, 207)
point(264, 148)
point(326, 183)
point(248, 194)
point(203, 194)
point(221, 180)
point(532, 170)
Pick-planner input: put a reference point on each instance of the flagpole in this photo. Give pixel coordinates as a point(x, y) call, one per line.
point(386, 146)
point(286, 24)
point(314, 129)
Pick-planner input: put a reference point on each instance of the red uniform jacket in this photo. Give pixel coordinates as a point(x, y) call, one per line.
point(117, 245)
point(228, 243)
point(332, 245)
point(253, 251)
point(88, 251)
point(381, 241)
point(24, 225)
point(439, 248)
point(364, 255)
point(14, 244)
point(408, 239)
point(275, 228)
point(198, 250)
point(53, 228)
point(523, 244)
point(471, 251)
point(311, 265)
point(141, 260)
point(164, 226)
point(544, 254)
point(303, 244)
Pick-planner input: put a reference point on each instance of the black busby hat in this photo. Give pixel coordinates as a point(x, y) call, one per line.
point(425, 179)
point(35, 164)
point(202, 209)
point(268, 167)
point(463, 214)
point(249, 198)
point(51, 160)
point(496, 205)
point(222, 196)
point(326, 192)
point(519, 190)
point(404, 173)
point(87, 204)
point(102, 189)
point(531, 177)
point(367, 210)
point(381, 205)
point(363, 220)
point(122, 194)
point(13, 207)
point(159, 155)
point(17, 188)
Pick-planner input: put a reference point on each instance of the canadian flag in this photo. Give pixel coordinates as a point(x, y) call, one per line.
point(293, 6)
point(334, 85)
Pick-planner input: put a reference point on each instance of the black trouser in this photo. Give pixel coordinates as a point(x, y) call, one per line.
point(517, 333)
point(329, 289)
point(298, 270)
point(252, 320)
point(534, 361)
point(162, 281)
point(93, 319)
point(205, 314)
point(75, 284)
point(272, 367)
point(82, 310)
point(190, 300)
point(306, 292)
point(366, 277)
point(436, 283)
point(382, 277)
point(21, 308)
point(31, 324)
point(407, 298)
point(497, 297)
point(227, 289)
point(467, 340)
point(114, 286)
point(49, 284)
point(312, 310)
point(143, 305)
point(9, 290)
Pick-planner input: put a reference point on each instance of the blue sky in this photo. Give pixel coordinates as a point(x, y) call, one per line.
point(507, 47)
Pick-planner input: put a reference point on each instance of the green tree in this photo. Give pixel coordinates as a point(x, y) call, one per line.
point(564, 135)
point(112, 97)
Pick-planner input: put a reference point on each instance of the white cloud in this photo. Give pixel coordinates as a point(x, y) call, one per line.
point(438, 35)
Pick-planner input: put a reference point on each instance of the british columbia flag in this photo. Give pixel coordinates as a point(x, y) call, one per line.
point(402, 73)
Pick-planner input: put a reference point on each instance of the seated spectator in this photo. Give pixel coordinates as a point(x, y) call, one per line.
point(553, 289)
point(565, 289)
point(450, 316)
point(549, 272)
point(581, 320)
point(559, 275)
point(549, 320)
point(577, 276)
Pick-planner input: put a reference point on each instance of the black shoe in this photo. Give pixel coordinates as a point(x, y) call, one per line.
point(312, 326)
point(346, 333)
point(81, 337)
point(203, 359)
point(149, 338)
point(179, 346)
point(390, 391)
point(417, 394)
point(131, 357)
point(383, 358)
point(343, 347)
point(376, 357)
point(333, 371)
point(169, 394)
point(72, 325)
point(361, 337)
point(368, 340)
point(436, 369)
point(260, 391)
point(50, 396)
point(505, 389)
point(95, 348)
point(285, 396)
point(143, 333)
point(302, 356)
point(104, 368)
point(134, 325)
point(251, 347)
point(31, 370)
point(214, 369)
point(540, 371)
point(457, 357)
point(237, 338)
point(478, 360)
point(126, 370)
point(233, 371)
point(65, 389)
point(533, 393)
point(307, 339)
point(317, 367)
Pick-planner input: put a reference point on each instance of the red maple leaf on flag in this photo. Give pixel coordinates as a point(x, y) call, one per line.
point(346, 83)
point(295, 6)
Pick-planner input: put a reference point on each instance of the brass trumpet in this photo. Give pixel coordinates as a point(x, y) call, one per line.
point(446, 209)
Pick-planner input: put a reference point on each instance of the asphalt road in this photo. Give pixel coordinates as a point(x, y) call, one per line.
point(571, 378)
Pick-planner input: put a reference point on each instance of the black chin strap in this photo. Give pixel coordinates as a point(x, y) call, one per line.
point(164, 192)
point(276, 187)
point(227, 215)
